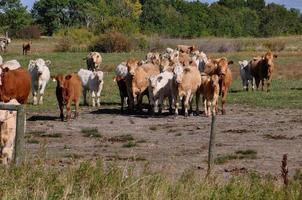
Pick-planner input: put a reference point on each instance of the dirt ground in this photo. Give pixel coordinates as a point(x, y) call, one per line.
point(168, 144)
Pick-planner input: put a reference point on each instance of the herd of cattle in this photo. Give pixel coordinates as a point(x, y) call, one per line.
point(176, 74)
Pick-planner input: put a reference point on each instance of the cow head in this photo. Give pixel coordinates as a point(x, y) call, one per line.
point(165, 64)
point(178, 73)
point(222, 65)
point(268, 58)
point(96, 58)
point(132, 65)
point(60, 79)
point(39, 65)
point(243, 64)
point(214, 81)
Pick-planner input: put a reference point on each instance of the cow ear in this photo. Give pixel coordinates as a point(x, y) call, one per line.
point(275, 56)
point(31, 62)
point(6, 69)
point(230, 62)
point(54, 78)
point(48, 62)
point(68, 77)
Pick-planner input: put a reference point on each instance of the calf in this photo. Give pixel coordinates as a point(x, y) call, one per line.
point(121, 73)
point(245, 74)
point(161, 86)
point(15, 84)
point(93, 82)
point(188, 81)
point(209, 88)
point(220, 67)
point(4, 43)
point(93, 61)
point(40, 76)
point(262, 68)
point(68, 90)
point(8, 120)
point(26, 47)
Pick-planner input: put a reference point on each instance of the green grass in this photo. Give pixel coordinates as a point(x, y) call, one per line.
point(91, 132)
point(238, 155)
point(95, 181)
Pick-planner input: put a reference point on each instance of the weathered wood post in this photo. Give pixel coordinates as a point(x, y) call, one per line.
point(19, 141)
point(211, 153)
point(20, 129)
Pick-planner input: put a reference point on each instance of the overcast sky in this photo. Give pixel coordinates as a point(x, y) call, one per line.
point(287, 3)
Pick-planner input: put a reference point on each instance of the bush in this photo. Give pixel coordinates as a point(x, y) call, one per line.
point(29, 32)
point(274, 45)
point(112, 42)
point(75, 39)
point(64, 44)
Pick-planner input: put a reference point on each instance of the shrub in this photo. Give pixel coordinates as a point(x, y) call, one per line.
point(274, 45)
point(64, 44)
point(112, 42)
point(74, 39)
point(29, 32)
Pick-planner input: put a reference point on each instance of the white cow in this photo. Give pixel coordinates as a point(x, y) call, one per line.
point(94, 61)
point(8, 120)
point(93, 82)
point(40, 76)
point(162, 86)
point(246, 76)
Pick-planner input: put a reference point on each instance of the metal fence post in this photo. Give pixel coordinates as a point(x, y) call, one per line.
point(211, 154)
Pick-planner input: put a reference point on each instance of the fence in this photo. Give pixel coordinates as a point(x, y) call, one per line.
point(18, 154)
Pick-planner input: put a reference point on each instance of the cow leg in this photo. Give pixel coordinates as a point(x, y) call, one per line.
point(160, 104)
point(262, 84)
point(268, 84)
point(93, 98)
point(191, 104)
point(176, 105)
point(257, 83)
point(186, 103)
point(77, 108)
point(35, 98)
point(197, 102)
point(61, 107)
point(122, 103)
point(170, 104)
point(223, 99)
point(84, 96)
point(41, 93)
point(139, 102)
point(68, 109)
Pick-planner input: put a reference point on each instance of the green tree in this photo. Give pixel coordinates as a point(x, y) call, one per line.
point(13, 16)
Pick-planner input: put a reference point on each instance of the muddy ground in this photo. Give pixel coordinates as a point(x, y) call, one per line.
point(168, 144)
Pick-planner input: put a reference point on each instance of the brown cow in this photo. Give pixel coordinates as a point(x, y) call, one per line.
point(68, 89)
point(220, 67)
point(26, 47)
point(137, 80)
point(15, 84)
point(262, 68)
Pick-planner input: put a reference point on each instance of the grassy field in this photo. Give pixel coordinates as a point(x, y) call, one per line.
point(286, 87)
point(35, 180)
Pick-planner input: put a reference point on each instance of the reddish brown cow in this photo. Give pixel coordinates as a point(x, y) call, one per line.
point(68, 90)
point(220, 67)
point(15, 84)
point(262, 68)
point(26, 48)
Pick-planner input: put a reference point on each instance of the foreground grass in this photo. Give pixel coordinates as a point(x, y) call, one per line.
point(94, 181)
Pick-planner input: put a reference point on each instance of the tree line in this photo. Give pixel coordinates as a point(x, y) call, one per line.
point(169, 18)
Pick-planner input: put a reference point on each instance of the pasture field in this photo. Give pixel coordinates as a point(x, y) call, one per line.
point(105, 154)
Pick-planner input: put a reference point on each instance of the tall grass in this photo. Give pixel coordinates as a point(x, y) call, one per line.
point(94, 181)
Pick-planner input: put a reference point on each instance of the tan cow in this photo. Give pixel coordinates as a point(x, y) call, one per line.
point(137, 80)
point(188, 81)
point(8, 120)
point(220, 67)
point(262, 68)
point(186, 48)
point(209, 89)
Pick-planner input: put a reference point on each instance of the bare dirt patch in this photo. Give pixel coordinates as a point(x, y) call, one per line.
point(166, 143)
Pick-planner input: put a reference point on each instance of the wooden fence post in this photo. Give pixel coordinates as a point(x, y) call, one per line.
point(211, 153)
point(19, 141)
